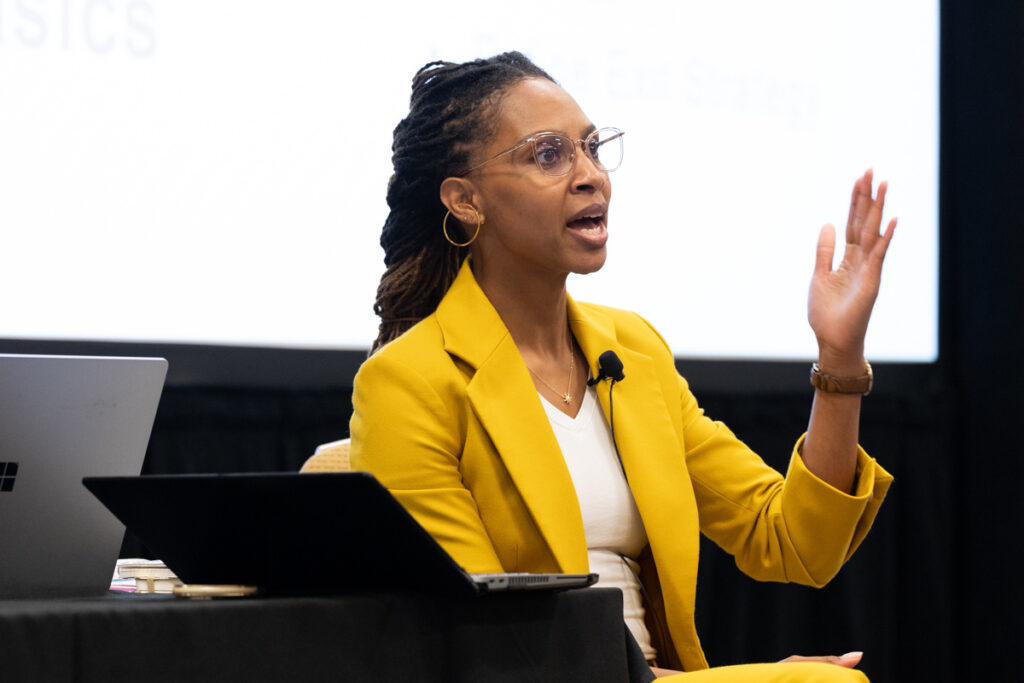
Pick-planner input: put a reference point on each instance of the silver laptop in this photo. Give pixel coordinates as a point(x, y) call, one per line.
point(63, 418)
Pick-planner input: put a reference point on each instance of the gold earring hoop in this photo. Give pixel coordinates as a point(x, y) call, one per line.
point(444, 229)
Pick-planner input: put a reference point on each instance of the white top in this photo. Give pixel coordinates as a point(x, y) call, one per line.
point(611, 521)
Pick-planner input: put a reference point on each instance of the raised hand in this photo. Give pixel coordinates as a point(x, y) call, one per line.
point(840, 301)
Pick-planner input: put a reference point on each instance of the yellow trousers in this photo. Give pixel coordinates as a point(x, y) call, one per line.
point(794, 672)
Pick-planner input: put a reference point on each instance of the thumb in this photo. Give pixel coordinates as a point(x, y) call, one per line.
point(826, 250)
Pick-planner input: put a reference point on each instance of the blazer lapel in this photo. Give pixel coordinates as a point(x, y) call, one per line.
point(505, 401)
point(647, 441)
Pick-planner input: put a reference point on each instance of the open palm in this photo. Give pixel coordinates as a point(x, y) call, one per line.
point(840, 301)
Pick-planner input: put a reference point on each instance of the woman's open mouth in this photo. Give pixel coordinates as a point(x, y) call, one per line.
point(590, 220)
point(590, 224)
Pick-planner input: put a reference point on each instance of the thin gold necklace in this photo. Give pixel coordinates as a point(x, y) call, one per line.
point(567, 396)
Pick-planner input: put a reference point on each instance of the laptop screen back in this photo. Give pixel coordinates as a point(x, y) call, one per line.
point(63, 418)
point(287, 533)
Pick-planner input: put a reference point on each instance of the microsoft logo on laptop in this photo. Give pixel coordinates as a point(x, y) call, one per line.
point(8, 470)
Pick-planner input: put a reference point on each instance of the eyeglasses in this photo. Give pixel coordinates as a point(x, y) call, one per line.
point(555, 152)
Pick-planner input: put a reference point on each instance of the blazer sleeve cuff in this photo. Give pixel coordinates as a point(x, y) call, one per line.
point(825, 516)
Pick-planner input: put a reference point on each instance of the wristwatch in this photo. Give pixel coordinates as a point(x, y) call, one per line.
point(842, 385)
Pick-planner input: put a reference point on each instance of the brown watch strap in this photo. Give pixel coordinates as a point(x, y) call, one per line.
point(842, 385)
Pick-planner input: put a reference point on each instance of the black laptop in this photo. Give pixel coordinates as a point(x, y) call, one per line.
point(296, 534)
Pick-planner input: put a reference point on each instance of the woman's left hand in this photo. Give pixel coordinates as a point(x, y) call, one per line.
point(840, 301)
point(849, 660)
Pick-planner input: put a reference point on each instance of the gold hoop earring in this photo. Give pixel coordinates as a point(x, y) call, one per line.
point(444, 229)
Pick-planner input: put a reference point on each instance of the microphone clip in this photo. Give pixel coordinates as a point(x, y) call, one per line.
point(608, 367)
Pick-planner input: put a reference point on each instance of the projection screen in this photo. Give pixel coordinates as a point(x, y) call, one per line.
point(215, 172)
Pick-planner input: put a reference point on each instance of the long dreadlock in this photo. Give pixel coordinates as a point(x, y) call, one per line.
point(449, 112)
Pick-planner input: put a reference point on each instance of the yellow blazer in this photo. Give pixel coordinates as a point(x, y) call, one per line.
point(449, 420)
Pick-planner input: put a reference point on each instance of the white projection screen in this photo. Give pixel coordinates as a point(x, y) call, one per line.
point(214, 173)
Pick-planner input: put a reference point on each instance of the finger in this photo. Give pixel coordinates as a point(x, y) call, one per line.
point(825, 251)
point(854, 197)
point(880, 249)
point(883, 187)
point(853, 202)
point(869, 230)
point(850, 659)
point(824, 659)
point(889, 231)
point(860, 204)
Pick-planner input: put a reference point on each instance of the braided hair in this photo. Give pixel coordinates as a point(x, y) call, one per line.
point(449, 112)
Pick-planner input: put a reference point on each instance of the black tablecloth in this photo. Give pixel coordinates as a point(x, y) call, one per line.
point(575, 635)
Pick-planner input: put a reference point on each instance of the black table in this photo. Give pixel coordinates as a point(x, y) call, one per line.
point(575, 635)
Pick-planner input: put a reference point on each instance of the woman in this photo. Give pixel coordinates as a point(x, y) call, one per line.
point(475, 410)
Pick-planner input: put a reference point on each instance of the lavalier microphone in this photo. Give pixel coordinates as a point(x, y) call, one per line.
point(608, 367)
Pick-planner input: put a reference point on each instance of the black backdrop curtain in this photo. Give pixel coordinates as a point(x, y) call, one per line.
point(934, 592)
point(982, 215)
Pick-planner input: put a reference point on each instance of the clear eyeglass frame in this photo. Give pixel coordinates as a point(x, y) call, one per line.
point(546, 142)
